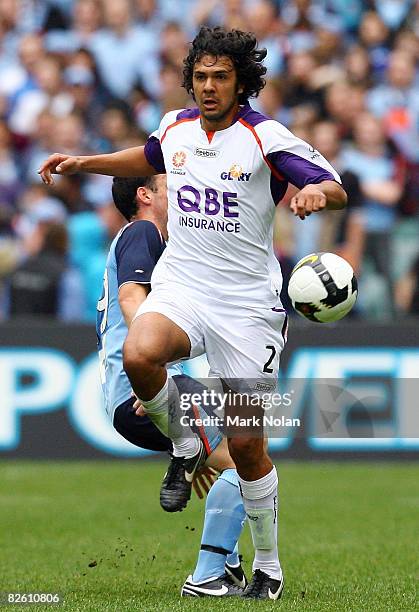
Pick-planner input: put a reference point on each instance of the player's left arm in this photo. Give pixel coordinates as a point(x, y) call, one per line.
point(295, 161)
point(315, 197)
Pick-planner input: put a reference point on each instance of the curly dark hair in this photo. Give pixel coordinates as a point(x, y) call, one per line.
point(240, 47)
point(124, 193)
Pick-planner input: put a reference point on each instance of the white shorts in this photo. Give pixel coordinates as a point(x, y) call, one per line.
point(240, 342)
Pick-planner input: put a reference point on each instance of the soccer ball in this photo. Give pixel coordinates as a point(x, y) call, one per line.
point(323, 287)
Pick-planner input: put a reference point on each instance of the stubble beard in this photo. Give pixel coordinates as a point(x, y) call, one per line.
point(221, 114)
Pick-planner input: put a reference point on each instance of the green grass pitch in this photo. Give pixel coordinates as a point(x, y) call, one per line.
point(94, 532)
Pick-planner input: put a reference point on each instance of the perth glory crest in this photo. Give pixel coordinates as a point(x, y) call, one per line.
point(179, 159)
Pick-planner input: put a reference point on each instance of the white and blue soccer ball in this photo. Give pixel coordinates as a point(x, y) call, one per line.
point(323, 287)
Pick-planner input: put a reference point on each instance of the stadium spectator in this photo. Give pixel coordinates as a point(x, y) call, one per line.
point(399, 93)
point(374, 36)
point(34, 287)
point(301, 97)
point(68, 133)
point(84, 58)
point(343, 104)
point(302, 17)
point(357, 66)
point(41, 142)
point(48, 93)
point(80, 81)
point(328, 45)
point(17, 74)
point(346, 14)
point(117, 127)
point(171, 94)
point(264, 21)
point(36, 206)
point(125, 53)
point(403, 130)
point(407, 40)
point(228, 13)
point(271, 102)
point(87, 253)
point(151, 14)
point(407, 291)
point(89, 236)
point(342, 233)
point(393, 13)
point(9, 169)
point(10, 28)
point(146, 110)
point(87, 18)
point(10, 254)
point(173, 45)
point(375, 166)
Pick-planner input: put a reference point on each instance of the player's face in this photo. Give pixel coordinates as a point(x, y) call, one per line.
point(216, 89)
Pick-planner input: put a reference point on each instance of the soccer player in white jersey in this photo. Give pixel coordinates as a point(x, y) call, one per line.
point(227, 167)
point(132, 257)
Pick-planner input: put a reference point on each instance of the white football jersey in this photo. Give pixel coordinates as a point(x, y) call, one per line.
point(223, 187)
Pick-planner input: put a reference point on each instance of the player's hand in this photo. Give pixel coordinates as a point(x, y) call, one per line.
point(59, 164)
point(203, 481)
point(310, 199)
point(139, 408)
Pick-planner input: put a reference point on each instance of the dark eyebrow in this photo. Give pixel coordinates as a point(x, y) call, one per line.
point(221, 71)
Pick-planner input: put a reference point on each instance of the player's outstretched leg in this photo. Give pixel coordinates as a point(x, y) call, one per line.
point(224, 520)
point(189, 453)
point(152, 341)
point(259, 486)
point(175, 491)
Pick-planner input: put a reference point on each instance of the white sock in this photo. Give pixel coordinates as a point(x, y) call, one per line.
point(260, 502)
point(163, 412)
point(186, 447)
point(156, 408)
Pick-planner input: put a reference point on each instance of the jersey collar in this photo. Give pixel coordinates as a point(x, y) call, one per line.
point(243, 110)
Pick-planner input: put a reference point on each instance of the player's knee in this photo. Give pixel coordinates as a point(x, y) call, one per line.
point(245, 451)
point(129, 357)
point(136, 360)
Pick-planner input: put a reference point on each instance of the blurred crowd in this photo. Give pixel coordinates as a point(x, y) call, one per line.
point(93, 76)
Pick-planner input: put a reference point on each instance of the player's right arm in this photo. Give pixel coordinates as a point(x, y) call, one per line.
point(129, 162)
point(137, 251)
point(130, 297)
point(136, 161)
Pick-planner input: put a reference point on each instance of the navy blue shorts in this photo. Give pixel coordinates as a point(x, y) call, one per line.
point(139, 430)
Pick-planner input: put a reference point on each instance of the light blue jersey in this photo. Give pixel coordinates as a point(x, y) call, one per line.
point(132, 257)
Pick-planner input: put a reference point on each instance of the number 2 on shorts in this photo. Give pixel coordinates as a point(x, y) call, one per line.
point(266, 367)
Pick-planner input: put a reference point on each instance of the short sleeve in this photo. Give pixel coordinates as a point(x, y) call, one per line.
point(137, 251)
point(154, 154)
point(294, 159)
point(152, 149)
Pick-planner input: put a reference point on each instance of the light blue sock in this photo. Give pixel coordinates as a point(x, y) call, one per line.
point(224, 520)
